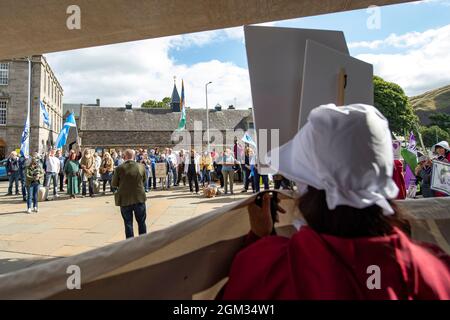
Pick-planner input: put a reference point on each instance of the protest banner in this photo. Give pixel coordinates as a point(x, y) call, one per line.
point(440, 178)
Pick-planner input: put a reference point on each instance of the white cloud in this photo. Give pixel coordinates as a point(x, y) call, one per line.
point(440, 2)
point(423, 65)
point(408, 40)
point(142, 70)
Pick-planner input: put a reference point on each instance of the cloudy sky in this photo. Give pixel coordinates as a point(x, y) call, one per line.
point(411, 48)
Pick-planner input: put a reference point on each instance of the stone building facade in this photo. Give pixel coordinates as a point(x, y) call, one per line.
point(45, 88)
point(118, 128)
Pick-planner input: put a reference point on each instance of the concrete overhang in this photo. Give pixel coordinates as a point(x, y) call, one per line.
point(29, 27)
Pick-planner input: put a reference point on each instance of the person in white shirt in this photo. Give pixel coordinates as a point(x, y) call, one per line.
point(173, 165)
point(192, 169)
point(97, 164)
point(52, 168)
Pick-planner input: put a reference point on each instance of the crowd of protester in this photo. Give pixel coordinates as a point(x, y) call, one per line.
point(89, 172)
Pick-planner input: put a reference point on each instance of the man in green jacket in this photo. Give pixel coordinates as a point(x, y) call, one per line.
point(129, 179)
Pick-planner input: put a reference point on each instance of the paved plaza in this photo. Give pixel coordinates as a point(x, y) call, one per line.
point(66, 227)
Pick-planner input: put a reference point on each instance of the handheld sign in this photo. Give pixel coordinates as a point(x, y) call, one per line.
point(160, 170)
point(330, 76)
point(440, 178)
point(276, 63)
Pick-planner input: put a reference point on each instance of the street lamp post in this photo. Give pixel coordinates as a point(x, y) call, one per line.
point(207, 114)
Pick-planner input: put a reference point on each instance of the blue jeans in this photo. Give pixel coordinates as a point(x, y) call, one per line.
point(14, 177)
point(174, 176)
point(54, 177)
point(148, 183)
point(24, 187)
point(33, 191)
point(265, 179)
point(140, 214)
point(206, 176)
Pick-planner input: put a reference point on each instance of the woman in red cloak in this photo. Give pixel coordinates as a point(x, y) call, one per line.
point(355, 244)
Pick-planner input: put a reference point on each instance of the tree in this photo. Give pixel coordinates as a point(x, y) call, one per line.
point(167, 101)
point(432, 135)
point(392, 102)
point(164, 104)
point(442, 120)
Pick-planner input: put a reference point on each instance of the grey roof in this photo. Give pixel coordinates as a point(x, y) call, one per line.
point(72, 107)
point(142, 119)
point(175, 95)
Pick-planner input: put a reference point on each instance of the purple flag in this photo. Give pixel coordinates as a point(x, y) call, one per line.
point(410, 178)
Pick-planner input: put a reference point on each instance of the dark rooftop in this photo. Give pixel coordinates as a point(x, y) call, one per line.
point(116, 119)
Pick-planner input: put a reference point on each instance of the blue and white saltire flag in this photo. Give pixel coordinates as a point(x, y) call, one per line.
point(45, 115)
point(248, 139)
point(62, 137)
point(70, 121)
point(25, 140)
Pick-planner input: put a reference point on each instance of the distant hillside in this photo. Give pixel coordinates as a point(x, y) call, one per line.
point(437, 100)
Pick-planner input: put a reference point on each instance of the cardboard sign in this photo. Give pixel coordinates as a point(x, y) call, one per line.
point(276, 63)
point(321, 84)
point(160, 170)
point(440, 178)
point(396, 148)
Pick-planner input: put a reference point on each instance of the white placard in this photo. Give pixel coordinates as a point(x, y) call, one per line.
point(275, 61)
point(321, 79)
point(440, 178)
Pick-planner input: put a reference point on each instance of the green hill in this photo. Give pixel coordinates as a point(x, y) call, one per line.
point(430, 102)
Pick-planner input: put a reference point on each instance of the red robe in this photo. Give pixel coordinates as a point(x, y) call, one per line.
point(318, 266)
point(399, 179)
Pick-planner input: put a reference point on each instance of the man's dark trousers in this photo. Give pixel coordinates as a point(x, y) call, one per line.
point(14, 177)
point(140, 214)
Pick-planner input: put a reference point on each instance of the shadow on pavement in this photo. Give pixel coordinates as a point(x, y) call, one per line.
point(8, 265)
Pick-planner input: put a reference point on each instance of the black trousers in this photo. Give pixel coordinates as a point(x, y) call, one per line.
point(219, 174)
point(91, 186)
point(61, 182)
point(192, 177)
point(153, 177)
point(140, 214)
point(181, 176)
point(104, 185)
point(247, 179)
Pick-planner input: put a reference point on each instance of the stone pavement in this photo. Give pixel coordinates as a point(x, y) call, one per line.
point(65, 227)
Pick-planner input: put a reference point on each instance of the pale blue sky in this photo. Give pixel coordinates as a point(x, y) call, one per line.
point(398, 19)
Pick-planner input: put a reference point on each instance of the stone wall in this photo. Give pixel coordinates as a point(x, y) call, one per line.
point(137, 139)
point(16, 93)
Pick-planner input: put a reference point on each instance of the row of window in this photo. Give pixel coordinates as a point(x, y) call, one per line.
point(4, 69)
point(2, 112)
point(56, 120)
point(51, 90)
